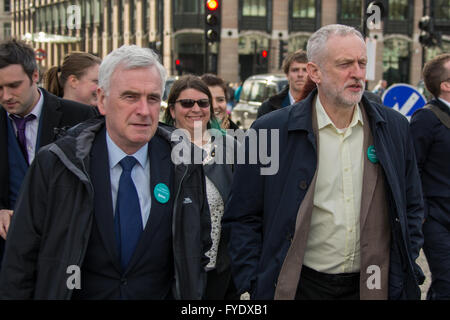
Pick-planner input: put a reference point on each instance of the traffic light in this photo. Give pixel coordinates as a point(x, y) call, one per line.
point(283, 51)
point(428, 36)
point(262, 57)
point(426, 27)
point(212, 21)
point(178, 66)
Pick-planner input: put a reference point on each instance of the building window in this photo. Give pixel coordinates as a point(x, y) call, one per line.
point(7, 6)
point(55, 18)
point(121, 16)
point(97, 11)
point(442, 10)
point(350, 9)
point(6, 30)
point(188, 6)
point(88, 13)
point(254, 8)
point(303, 9)
point(146, 15)
point(398, 10)
point(62, 16)
point(48, 19)
point(132, 16)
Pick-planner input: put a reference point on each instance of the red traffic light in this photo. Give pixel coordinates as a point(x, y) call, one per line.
point(212, 5)
point(178, 62)
point(264, 53)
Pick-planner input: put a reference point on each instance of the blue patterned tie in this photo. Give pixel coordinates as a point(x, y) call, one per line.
point(127, 220)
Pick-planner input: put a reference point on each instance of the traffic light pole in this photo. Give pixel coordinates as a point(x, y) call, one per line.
point(205, 59)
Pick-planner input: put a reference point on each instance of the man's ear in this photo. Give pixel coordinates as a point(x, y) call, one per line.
point(445, 86)
point(313, 72)
point(101, 96)
point(35, 76)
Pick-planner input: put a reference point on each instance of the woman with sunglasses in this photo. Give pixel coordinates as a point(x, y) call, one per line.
point(190, 107)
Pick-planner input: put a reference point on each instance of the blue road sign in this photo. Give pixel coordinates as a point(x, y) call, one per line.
point(404, 98)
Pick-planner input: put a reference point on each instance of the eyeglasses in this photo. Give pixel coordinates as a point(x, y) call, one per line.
point(189, 103)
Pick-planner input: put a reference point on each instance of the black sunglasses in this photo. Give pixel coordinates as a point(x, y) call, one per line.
point(189, 103)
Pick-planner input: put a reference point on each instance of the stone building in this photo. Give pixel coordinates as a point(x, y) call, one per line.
point(175, 28)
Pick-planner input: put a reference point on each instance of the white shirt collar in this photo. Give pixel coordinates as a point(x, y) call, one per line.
point(291, 98)
point(116, 154)
point(445, 102)
point(37, 109)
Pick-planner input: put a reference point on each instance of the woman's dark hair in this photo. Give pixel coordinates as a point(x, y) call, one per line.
point(212, 80)
point(75, 63)
point(186, 82)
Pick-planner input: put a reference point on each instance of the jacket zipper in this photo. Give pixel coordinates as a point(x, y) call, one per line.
point(177, 284)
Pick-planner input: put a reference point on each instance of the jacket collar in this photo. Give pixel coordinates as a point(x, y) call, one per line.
point(51, 116)
point(278, 98)
point(440, 105)
point(301, 113)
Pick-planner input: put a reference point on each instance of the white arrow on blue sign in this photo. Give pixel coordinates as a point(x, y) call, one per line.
point(404, 98)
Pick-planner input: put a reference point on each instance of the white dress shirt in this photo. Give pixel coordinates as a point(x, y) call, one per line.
point(333, 241)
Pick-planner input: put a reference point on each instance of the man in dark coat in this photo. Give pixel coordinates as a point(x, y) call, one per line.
point(341, 219)
point(28, 118)
point(104, 212)
point(294, 66)
point(430, 128)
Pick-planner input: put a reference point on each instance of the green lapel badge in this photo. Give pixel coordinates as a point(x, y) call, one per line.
point(162, 193)
point(372, 154)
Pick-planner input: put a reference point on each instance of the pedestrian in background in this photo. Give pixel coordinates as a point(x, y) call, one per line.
point(346, 201)
point(76, 79)
point(219, 94)
point(294, 66)
point(28, 118)
point(430, 128)
point(107, 199)
point(190, 107)
point(380, 88)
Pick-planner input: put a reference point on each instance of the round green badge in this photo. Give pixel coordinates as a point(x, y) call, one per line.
point(162, 193)
point(372, 154)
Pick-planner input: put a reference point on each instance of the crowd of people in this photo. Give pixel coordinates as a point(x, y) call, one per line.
point(92, 181)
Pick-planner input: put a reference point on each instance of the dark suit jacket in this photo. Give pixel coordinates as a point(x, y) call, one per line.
point(56, 113)
point(275, 102)
point(432, 146)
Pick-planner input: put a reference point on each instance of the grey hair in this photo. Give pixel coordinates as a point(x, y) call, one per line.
point(129, 57)
point(316, 43)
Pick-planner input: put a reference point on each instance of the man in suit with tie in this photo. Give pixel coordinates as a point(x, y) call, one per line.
point(107, 203)
point(28, 118)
